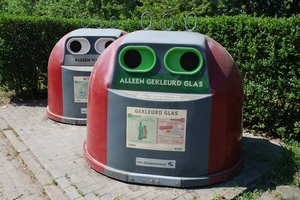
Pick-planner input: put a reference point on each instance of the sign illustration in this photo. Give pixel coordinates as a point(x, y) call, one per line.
point(156, 129)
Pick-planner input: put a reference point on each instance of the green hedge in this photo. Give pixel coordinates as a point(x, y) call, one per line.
point(25, 45)
point(267, 51)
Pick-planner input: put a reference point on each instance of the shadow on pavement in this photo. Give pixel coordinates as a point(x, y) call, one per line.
point(260, 157)
point(30, 103)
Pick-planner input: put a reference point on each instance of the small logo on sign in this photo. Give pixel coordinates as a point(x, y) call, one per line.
point(171, 164)
point(158, 163)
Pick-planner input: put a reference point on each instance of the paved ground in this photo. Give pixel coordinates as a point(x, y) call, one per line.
point(53, 152)
point(17, 181)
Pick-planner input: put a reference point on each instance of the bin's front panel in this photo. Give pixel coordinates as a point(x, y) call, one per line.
point(167, 136)
point(81, 51)
point(75, 91)
point(83, 46)
point(161, 61)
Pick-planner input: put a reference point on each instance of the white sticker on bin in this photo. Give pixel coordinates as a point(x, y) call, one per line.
point(159, 163)
point(83, 110)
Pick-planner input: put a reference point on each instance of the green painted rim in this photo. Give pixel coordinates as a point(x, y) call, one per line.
point(147, 56)
point(173, 56)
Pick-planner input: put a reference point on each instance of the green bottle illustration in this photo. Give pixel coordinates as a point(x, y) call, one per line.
point(140, 131)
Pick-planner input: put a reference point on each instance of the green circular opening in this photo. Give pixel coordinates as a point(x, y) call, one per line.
point(138, 59)
point(183, 60)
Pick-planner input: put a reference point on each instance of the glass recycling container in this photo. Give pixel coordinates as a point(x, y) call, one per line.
point(69, 67)
point(165, 108)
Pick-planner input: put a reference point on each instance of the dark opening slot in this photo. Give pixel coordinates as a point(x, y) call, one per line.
point(132, 59)
point(108, 43)
point(189, 61)
point(75, 46)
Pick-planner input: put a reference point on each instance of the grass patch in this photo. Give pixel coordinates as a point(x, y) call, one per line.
point(249, 195)
point(15, 152)
point(74, 185)
point(217, 197)
point(32, 175)
point(5, 97)
point(286, 171)
point(43, 191)
point(8, 128)
point(80, 192)
point(54, 182)
point(67, 176)
point(96, 194)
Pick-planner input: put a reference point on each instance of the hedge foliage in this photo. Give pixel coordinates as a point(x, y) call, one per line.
point(25, 45)
point(267, 51)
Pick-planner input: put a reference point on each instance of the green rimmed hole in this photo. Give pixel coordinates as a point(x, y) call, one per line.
point(183, 60)
point(137, 59)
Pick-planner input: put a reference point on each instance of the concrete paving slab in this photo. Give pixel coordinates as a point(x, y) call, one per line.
point(16, 181)
point(288, 192)
point(57, 148)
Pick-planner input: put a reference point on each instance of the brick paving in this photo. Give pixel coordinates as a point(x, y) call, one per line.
point(53, 151)
point(16, 181)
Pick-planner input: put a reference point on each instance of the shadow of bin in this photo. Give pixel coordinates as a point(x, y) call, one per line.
point(70, 64)
point(165, 108)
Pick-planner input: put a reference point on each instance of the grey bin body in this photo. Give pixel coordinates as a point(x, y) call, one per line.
point(81, 49)
point(160, 122)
